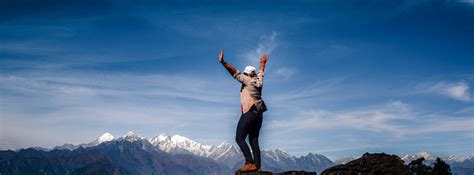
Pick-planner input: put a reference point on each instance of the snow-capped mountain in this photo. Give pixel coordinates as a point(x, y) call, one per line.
point(278, 155)
point(410, 157)
point(279, 160)
point(430, 158)
point(178, 145)
point(459, 159)
point(225, 152)
point(106, 137)
point(228, 154)
point(314, 162)
point(131, 137)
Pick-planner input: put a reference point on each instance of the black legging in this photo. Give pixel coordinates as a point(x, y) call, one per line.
point(249, 124)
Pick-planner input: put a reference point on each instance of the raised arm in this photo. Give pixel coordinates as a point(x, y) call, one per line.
point(263, 61)
point(232, 70)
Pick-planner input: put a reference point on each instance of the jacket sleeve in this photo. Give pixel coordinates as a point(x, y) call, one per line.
point(259, 82)
point(242, 78)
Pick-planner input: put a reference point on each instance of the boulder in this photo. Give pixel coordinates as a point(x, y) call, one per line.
point(371, 164)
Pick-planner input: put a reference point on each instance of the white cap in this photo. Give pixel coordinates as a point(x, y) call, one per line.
point(249, 70)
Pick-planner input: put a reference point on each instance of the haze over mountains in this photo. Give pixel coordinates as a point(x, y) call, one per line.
point(199, 158)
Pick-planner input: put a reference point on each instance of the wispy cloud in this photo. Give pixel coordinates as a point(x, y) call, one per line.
point(396, 118)
point(266, 45)
point(55, 105)
point(284, 73)
point(458, 90)
point(308, 91)
point(461, 124)
point(375, 119)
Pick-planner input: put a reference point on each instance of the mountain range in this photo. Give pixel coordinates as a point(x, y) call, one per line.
point(177, 150)
point(125, 155)
point(117, 154)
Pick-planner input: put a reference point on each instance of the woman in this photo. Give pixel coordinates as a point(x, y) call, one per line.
point(252, 108)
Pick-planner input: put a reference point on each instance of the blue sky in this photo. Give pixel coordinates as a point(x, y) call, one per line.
point(343, 78)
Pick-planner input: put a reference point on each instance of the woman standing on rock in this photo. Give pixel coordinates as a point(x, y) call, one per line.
point(252, 108)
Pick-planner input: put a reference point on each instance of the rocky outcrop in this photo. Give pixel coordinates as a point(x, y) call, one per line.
point(371, 164)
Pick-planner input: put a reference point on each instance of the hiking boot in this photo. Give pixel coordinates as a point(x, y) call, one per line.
point(249, 167)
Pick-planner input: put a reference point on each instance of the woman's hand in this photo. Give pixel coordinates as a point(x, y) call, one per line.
point(264, 59)
point(221, 56)
point(232, 70)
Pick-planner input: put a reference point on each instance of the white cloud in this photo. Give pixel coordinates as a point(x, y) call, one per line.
point(266, 45)
point(284, 73)
point(317, 89)
point(458, 91)
point(461, 124)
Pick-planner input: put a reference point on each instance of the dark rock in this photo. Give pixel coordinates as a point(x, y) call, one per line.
point(371, 164)
point(418, 168)
point(441, 168)
point(270, 173)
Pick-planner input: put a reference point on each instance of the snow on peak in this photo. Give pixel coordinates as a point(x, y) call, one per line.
point(131, 136)
point(224, 144)
point(160, 139)
point(180, 144)
point(423, 154)
point(191, 146)
point(105, 138)
point(225, 151)
point(410, 157)
point(280, 151)
point(180, 139)
point(407, 158)
point(163, 137)
point(130, 133)
point(277, 152)
point(225, 147)
point(452, 158)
